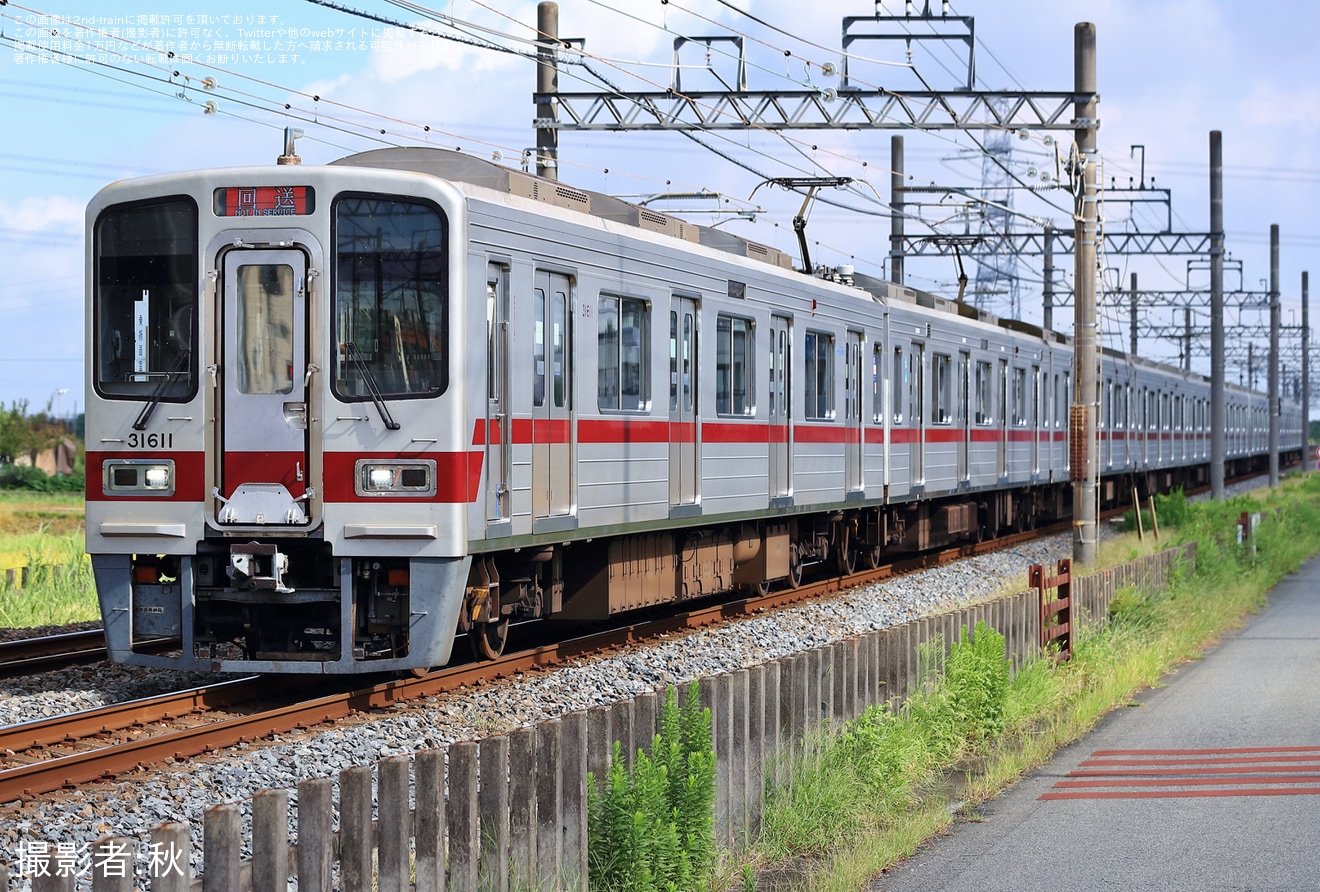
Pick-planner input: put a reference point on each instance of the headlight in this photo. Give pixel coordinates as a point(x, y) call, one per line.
point(413, 477)
point(138, 476)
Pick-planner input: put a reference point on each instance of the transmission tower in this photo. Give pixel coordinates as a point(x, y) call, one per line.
point(996, 269)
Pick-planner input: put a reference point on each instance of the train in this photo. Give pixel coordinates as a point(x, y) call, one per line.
point(340, 416)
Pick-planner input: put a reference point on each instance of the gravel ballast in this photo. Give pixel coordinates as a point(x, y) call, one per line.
point(133, 804)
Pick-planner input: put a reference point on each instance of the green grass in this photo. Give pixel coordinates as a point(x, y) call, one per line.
point(860, 802)
point(44, 533)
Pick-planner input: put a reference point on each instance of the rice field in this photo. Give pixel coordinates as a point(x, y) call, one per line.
point(44, 533)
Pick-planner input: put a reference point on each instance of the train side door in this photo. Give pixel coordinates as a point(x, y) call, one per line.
point(781, 415)
point(684, 445)
point(497, 385)
point(263, 457)
point(963, 417)
point(853, 447)
point(1037, 413)
point(917, 408)
point(1002, 464)
point(553, 467)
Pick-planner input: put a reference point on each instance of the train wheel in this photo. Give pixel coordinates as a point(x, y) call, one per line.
point(847, 560)
point(488, 639)
point(871, 557)
point(794, 567)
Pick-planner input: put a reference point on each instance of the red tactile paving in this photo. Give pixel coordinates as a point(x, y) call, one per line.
point(1187, 773)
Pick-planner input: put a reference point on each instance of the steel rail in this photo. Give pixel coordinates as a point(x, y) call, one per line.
point(73, 727)
point(45, 653)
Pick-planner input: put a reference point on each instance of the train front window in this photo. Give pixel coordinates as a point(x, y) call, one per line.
point(391, 298)
point(265, 329)
point(145, 300)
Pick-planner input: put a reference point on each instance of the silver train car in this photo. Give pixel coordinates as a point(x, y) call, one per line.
point(338, 416)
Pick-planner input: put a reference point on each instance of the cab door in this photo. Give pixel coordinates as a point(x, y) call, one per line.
point(263, 469)
point(853, 445)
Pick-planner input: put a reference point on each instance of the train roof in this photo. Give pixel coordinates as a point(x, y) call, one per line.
point(478, 172)
point(471, 170)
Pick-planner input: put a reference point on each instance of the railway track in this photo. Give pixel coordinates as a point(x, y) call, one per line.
point(63, 752)
point(29, 656)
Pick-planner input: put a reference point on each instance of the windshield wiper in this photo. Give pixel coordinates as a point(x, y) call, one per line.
point(372, 389)
point(140, 423)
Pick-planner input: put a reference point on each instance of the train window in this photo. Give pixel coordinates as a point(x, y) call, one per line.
point(1019, 397)
point(538, 348)
point(734, 345)
point(985, 413)
point(1037, 385)
point(144, 311)
point(624, 338)
point(942, 378)
point(917, 384)
point(896, 386)
point(265, 328)
point(877, 384)
point(391, 298)
point(820, 376)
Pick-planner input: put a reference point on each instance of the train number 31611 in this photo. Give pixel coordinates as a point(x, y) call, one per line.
point(150, 441)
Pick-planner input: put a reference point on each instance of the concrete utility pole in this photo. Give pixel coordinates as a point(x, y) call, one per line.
point(896, 208)
point(547, 83)
point(1218, 405)
point(1274, 355)
point(1047, 295)
point(1306, 365)
point(1081, 429)
point(1133, 318)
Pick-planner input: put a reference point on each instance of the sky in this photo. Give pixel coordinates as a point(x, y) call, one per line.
point(1169, 72)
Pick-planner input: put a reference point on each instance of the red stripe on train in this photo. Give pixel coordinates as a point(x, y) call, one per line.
point(458, 476)
point(189, 475)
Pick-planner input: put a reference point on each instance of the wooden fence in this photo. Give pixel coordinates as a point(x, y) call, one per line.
point(509, 813)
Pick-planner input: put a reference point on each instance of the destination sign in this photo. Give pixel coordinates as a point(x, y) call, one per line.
point(265, 201)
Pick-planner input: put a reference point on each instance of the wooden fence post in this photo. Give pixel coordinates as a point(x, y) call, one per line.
point(270, 841)
point(168, 867)
point(431, 826)
point(223, 847)
point(493, 761)
point(315, 847)
point(464, 817)
point(355, 830)
point(395, 826)
point(549, 806)
point(112, 865)
point(522, 811)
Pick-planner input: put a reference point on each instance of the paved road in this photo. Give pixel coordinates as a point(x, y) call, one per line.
point(1252, 706)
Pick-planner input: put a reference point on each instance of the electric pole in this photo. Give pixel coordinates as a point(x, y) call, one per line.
point(1274, 355)
point(547, 87)
point(1306, 366)
point(1083, 465)
point(896, 208)
point(1218, 404)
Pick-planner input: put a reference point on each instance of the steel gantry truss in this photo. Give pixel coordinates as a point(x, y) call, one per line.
point(844, 109)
